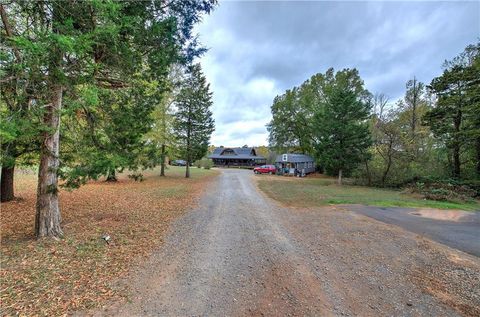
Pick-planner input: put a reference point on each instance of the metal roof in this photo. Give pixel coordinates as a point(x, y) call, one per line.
point(239, 153)
point(294, 158)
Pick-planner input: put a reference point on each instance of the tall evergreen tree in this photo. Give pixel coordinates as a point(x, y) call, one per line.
point(194, 123)
point(455, 119)
point(68, 44)
point(341, 127)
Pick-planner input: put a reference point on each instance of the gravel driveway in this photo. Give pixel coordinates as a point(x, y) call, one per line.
point(240, 254)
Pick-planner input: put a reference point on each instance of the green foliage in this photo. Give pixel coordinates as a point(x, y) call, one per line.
point(205, 163)
point(327, 116)
point(455, 118)
point(341, 127)
point(193, 120)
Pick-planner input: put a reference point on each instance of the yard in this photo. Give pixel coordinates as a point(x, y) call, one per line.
point(54, 277)
point(317, 191)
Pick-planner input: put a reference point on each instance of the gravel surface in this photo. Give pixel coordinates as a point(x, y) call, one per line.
point(240, 254)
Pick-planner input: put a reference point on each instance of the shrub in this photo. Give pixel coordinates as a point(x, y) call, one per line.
point(449, 189)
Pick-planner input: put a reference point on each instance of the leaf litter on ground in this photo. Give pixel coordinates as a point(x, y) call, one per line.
point(79, 272)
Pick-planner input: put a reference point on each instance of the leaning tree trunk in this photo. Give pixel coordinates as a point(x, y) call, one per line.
point(162, 163)
point(6, 187)
point(48, 219)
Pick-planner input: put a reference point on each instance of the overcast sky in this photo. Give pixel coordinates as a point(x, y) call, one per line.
point(257, 50)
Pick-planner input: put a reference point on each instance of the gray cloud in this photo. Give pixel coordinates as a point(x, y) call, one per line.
point(259, 49)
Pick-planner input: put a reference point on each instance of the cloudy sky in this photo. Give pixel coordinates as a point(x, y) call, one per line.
point(257, 50)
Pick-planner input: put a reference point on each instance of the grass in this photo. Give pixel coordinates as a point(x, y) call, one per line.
point(309, 192)
point(53, 278)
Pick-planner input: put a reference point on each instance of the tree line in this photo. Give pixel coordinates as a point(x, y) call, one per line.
point(432, 132)
point(91, 88)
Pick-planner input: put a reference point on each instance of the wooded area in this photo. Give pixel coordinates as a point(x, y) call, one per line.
point(431, 135)
point(109, 81)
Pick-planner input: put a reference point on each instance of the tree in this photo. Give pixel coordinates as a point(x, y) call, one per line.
point(289, 129)
point(68, 44)
point(455, 117)
point(161, 136)
point(341, 127)
point(19, 116)
point(194, 123)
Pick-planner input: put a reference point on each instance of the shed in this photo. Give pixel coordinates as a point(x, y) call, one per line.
point(296, 161)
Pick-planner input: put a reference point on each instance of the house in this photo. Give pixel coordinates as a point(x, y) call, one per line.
point(299, 162)
point(236, 157)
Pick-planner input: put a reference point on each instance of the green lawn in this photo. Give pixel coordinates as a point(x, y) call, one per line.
point(323, 191)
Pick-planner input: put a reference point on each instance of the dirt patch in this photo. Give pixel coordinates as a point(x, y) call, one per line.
point(448, 215)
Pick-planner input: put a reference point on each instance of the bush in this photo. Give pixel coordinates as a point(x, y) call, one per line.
point(208, 164)
point(444, 190)
point(205, 163)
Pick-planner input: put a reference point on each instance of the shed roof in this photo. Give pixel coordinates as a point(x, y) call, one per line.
point(294, 158)
point(238, 153)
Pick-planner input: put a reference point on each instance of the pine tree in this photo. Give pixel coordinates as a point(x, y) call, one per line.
point(341, 129)
point(194, 123)
point(455, 119)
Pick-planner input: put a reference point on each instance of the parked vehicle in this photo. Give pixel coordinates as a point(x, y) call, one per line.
point(179, 163)
point(265, 169)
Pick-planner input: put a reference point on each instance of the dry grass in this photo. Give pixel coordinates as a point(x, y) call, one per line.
point(50, 278)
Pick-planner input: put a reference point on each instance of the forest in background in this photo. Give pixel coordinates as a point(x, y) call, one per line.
point(428, 140)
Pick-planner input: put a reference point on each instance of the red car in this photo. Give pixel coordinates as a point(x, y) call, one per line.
point(265, 169)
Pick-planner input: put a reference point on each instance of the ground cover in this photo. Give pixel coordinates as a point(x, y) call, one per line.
point(318, 191)
point(55, 277)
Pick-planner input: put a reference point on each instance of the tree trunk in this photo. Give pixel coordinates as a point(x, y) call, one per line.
point(457, 121)
point(162, 158)
point(47, 218)
point(478, 156)
point(389, 163)
point(369, 176)
point(187, 170)
point(340, 177)
point(456, 160)
point(6, 188)
point(111, 177)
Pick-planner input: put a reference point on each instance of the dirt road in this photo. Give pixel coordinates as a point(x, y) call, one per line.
point(241, 254)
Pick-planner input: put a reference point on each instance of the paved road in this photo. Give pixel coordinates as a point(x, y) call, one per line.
point(241, 254)
point(463, 235)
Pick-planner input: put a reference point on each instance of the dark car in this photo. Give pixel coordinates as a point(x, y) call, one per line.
point(265, 169)
point(179, 163)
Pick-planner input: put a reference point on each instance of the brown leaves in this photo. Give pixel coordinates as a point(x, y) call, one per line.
point(78, 272)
